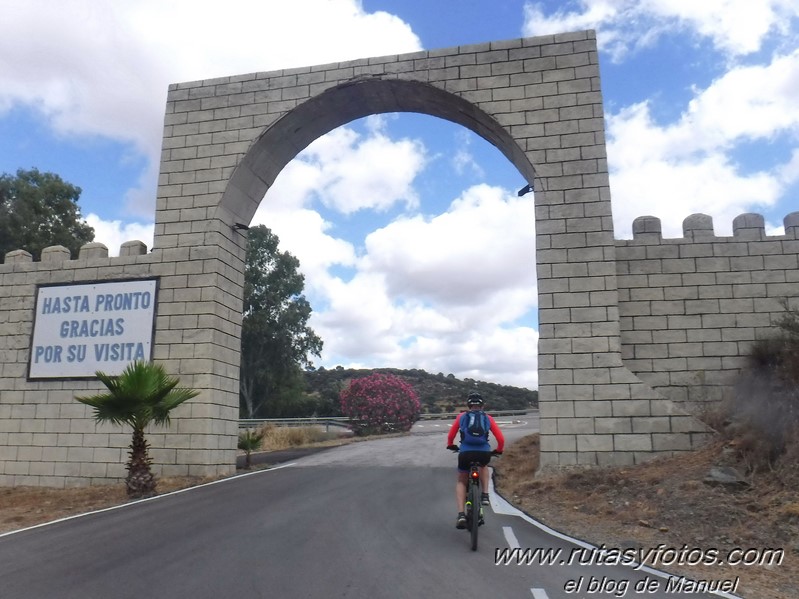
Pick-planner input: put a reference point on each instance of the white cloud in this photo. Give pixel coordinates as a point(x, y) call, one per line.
point(735, 27)
point(102, 67)
point(462, 160)
point(507, 356)
point(477, 249)
point(688, 166)
point(366, 330)
point(304, 234)
point(354, 173)
point(748, 102)
point(140, 200)
point(114, 233)
point(347, 172)
point(618, 24)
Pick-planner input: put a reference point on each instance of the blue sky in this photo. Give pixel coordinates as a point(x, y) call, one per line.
point(416, 251)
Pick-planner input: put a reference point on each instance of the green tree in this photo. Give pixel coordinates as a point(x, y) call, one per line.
point(141, 395)
point(38, 210)
point(276, 341)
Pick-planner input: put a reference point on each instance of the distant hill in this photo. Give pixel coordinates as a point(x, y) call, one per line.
point(437, 392)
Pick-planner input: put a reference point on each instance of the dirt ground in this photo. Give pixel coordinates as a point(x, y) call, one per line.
point(664, 502)
point(667, 502)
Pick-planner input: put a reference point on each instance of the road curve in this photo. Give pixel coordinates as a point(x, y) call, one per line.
point(371, 519)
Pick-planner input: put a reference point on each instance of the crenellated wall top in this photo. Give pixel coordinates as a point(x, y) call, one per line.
point(89, 251)
point(699, 227)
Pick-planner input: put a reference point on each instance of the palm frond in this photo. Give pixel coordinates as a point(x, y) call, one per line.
point(142, 394)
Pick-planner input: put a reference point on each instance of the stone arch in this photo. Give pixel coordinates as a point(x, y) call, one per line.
point(538, 100)
point(342, 104)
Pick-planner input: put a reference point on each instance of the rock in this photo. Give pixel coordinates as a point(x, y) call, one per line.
point(725, 476)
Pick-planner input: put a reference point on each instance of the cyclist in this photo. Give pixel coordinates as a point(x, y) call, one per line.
point(473, 450)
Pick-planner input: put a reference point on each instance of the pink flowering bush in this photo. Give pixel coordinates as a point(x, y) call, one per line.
point(380, 403)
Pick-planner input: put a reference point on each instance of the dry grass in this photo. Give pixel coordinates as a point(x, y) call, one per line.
point(280, 437)
point(664, 501)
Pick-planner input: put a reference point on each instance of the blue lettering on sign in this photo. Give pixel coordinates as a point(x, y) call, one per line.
point(118, 352)
point(65, 305)
point(76, 353)
point(47, 353)
point(114, 302)
point(107, 327)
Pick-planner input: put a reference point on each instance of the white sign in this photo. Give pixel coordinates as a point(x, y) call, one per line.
point(80, 329)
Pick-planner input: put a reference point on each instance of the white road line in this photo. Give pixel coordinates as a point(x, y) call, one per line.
point(513, 542)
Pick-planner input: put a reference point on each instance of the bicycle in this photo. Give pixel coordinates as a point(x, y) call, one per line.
point(474, 517)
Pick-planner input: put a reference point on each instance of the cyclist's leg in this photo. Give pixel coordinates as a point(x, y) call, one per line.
point(485, 475)
point(465, 459)
point(460, 491)
point(485, 478)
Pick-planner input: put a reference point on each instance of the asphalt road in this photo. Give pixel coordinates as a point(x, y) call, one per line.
point(371, 520)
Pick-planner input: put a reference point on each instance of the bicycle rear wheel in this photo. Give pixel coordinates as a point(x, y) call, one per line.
point(474, 519)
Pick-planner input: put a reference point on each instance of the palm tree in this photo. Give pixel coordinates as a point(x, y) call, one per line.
point(141, 395)
point(249, 441)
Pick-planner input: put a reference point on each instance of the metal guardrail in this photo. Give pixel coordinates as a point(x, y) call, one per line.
point(344, 422)
point(327, 422)
point(447, 415)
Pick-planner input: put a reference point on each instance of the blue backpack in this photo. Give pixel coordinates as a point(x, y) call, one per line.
point(474, 428)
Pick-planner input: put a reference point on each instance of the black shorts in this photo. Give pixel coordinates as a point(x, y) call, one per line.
point(465, 459)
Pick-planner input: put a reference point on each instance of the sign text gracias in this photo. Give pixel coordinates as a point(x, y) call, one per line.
point(80, 329)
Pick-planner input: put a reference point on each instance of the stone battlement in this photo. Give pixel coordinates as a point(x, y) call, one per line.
point(690, 307)
point(89, 251)
point(699, 228)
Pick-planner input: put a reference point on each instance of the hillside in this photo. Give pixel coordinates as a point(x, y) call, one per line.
point(437, 392)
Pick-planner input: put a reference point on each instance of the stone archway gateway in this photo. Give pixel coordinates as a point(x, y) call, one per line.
point(538, 100)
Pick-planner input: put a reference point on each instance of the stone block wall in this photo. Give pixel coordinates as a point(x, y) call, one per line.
point(47, 438)
point(690, 307)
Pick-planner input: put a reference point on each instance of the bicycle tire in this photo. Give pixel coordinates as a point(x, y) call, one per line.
point(474, 496)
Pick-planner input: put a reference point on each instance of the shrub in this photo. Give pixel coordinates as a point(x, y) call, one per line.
point(380, 403)
point(764, 413)
point(250, 440)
